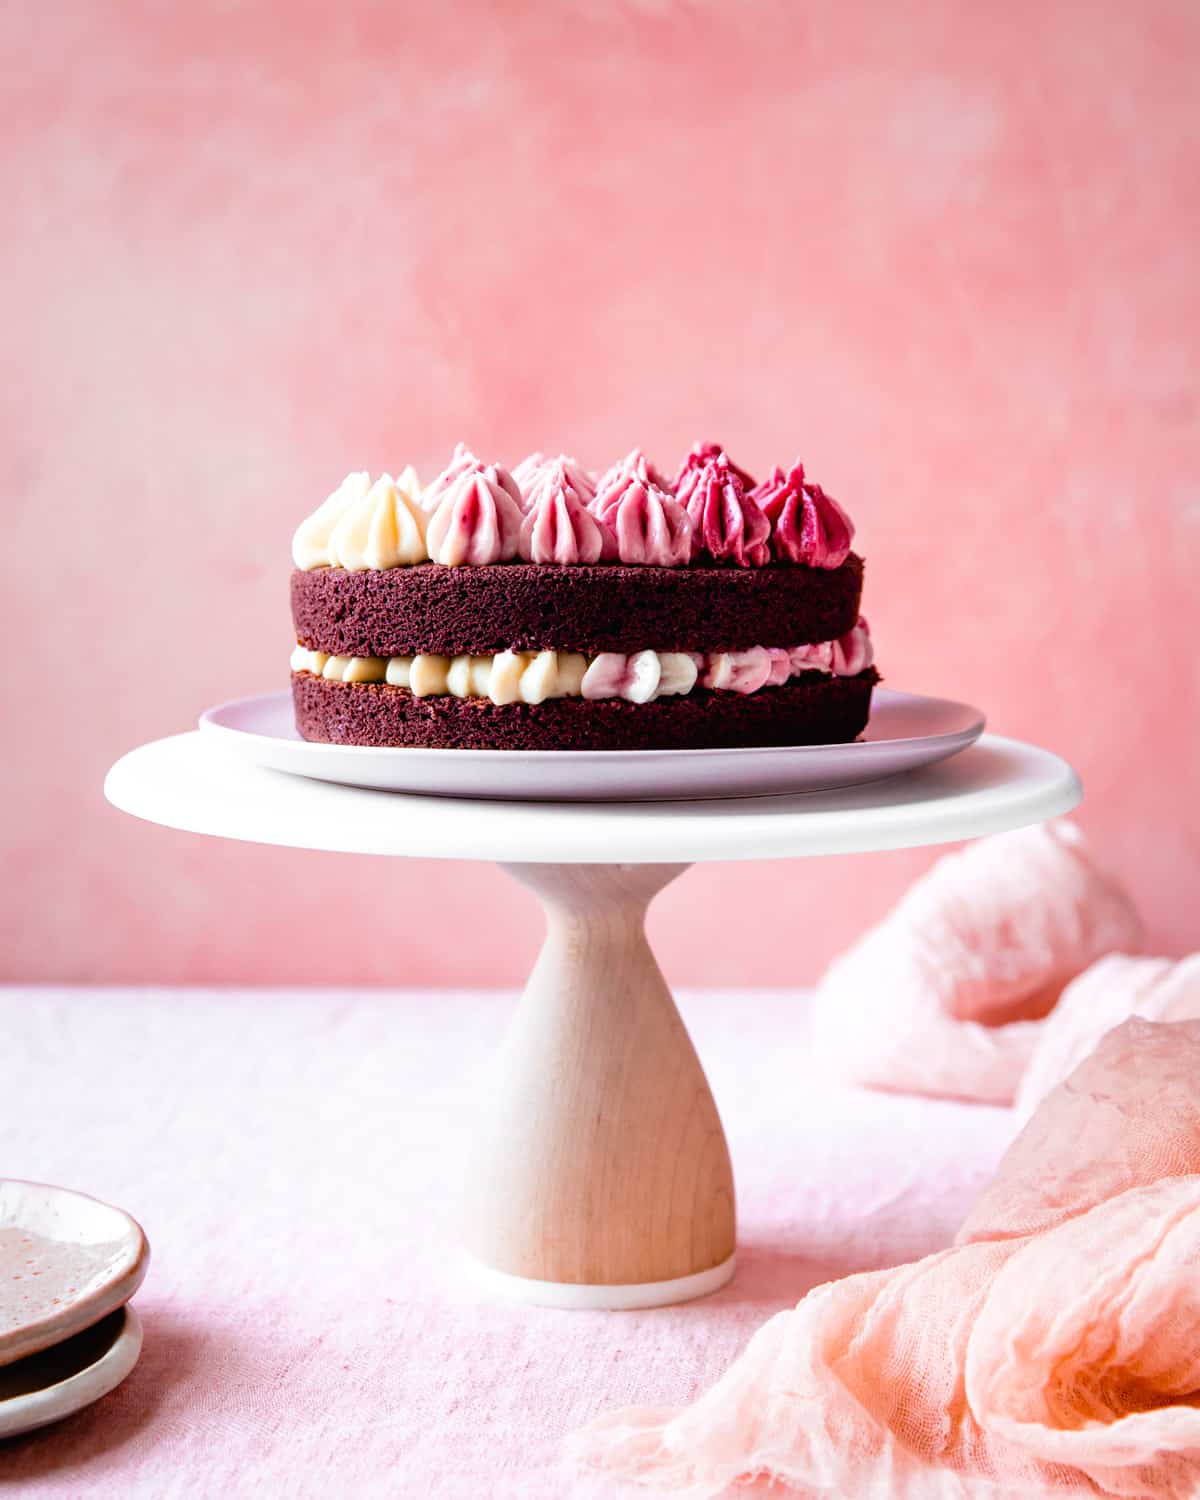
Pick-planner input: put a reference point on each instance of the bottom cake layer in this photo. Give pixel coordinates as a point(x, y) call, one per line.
point(812, 709)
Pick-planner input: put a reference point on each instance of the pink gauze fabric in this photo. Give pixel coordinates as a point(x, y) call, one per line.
point(1102, 997)
point(948, 994)
point(1051, 1351)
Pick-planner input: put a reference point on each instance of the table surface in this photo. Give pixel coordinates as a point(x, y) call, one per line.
point(192, 781)
point(309, 1331)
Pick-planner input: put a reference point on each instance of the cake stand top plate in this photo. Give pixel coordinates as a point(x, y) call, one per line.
point(193, 783)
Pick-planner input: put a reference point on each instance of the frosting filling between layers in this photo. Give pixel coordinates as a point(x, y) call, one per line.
point(641, 677)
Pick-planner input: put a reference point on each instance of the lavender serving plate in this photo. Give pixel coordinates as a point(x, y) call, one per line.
point(906, 731)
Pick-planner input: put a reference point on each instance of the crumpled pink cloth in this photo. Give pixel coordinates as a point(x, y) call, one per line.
point(1101, 998)
point(1053, 1350)
point(948, 994)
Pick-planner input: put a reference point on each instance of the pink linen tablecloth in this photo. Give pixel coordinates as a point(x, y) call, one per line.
point(309, 1328)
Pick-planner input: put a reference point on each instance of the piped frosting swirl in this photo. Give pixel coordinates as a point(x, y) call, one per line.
point(477, 520)
point(536, 471)
point(526, 471)
point(385, 528)
point(640, 677)
point(636, 463)
point(704, 453)
point(648, 526)
point(558, 527)
point(807, 525)
point(364, 526)
point(464, 462)
point(310, 543)
point(854, 652)
point(726, 522)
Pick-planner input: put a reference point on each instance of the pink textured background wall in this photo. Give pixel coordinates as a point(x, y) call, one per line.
point(946, 252)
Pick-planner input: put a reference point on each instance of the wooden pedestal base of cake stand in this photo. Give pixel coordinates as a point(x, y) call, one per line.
point(601, 1177)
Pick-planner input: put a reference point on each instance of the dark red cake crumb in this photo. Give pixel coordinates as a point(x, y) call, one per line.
point(812, 709)
point(529, 607)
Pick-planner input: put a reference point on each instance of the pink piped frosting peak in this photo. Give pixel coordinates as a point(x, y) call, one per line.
point(526, 471)
point(648, 526)
point(635, 462)
point(477, 520)
point(704, 453)
point(727, 523)
point(807, 525)
point(854, 652)
point(464, 462)
point(816, 656)
point(738, 671)
point(537, 470)
point(558, 527)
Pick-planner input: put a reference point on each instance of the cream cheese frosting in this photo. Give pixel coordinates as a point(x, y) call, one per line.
point(477, 520)
point(310, 543)
point(462, 462)
point(526, 471)
point(727, 523)
point(808, 526)
point(537, 470)
point(648, 526)
point(557, 526)
point(364, 525)
point(641, 467)
point(385, 528)
point(641, 677)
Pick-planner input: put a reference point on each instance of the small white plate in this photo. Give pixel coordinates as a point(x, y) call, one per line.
point(66, 1260)
point(69, 1376)
point(906, 731)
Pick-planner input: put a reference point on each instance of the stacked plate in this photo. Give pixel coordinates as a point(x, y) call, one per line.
point(68, 1266)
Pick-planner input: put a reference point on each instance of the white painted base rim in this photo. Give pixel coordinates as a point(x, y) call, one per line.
point(616, 1298)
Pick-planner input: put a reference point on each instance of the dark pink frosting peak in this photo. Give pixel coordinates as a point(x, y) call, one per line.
point(807, 525)
point(635, 462)
point(705, 453)
point(726, 521)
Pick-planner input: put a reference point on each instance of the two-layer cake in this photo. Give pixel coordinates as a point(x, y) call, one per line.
point(544, 609)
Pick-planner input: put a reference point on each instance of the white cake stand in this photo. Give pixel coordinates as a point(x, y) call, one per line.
point(601, 1174)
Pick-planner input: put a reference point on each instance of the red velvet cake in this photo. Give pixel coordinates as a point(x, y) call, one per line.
point(544, 609)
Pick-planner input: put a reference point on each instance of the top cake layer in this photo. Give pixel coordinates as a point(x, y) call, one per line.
point(550, 557)
point(534, 607)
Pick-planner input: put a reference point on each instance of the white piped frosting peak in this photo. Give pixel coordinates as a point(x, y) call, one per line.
point(365, 526)
point(310, 544)
point(385, 528)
